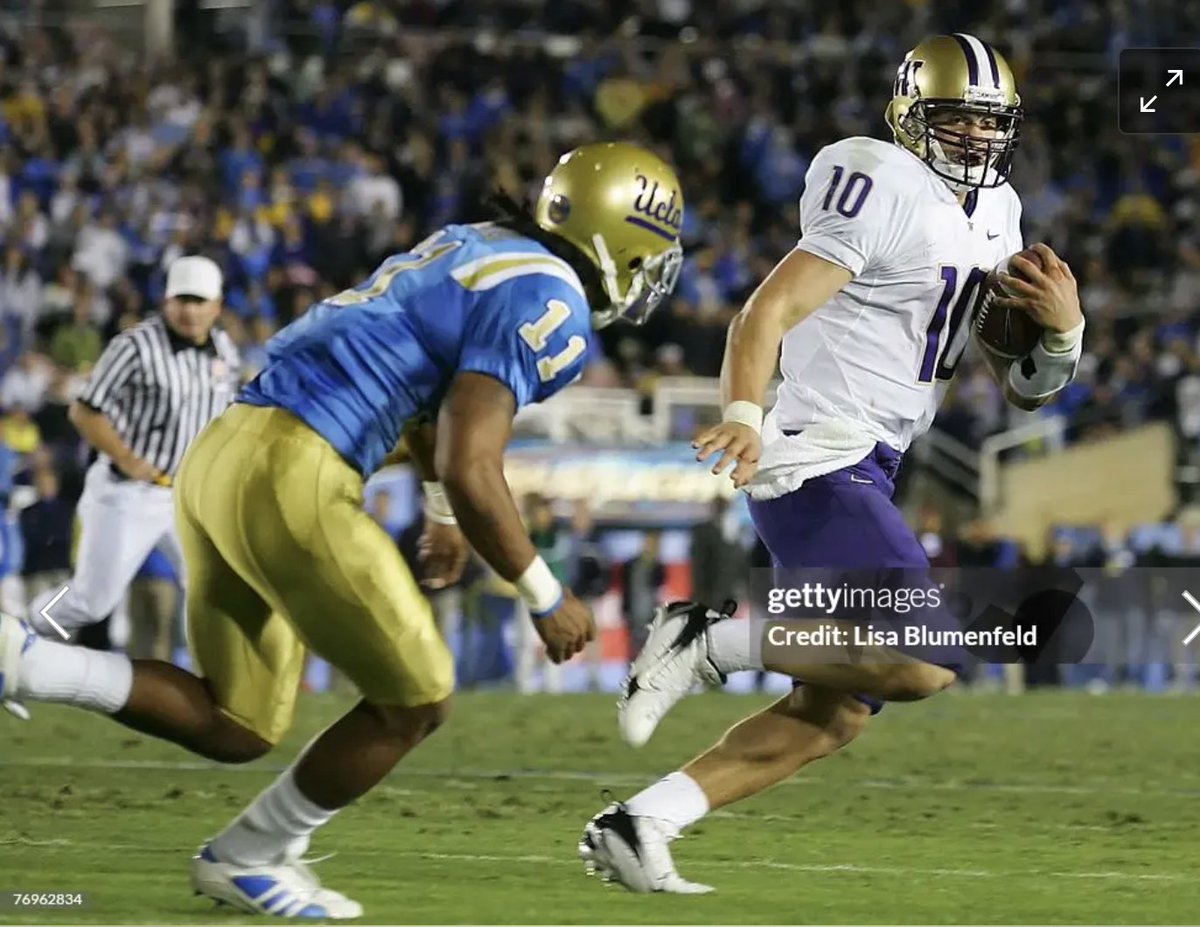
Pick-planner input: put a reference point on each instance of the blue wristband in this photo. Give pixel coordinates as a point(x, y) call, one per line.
point(538, 616)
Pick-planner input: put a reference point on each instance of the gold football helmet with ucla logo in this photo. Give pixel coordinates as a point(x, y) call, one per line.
point(957, 75)
point(621, 206)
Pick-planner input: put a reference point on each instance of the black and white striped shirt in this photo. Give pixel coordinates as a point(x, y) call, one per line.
point(159, 390)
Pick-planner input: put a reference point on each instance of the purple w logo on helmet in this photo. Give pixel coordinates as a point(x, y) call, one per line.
point(906, 78)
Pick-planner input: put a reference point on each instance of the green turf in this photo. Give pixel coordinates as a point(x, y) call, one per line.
point(1051, 808)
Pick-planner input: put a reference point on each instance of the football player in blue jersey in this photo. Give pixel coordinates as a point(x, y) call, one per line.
point(441, 345)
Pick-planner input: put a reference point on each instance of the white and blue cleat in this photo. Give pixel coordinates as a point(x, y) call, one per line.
point(285, 889)
point(15, 638)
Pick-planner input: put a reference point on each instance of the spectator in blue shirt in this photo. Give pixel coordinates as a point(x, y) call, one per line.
point(308, 167)
point(238, 159)
point(47, 528)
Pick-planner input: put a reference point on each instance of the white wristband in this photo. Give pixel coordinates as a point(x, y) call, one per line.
point(437, 506)
point(539, 590)
point(1063, 342)
point(1041, 373)
point(744, 413)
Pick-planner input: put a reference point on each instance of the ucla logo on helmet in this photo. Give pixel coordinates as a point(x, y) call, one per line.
point(655, 211)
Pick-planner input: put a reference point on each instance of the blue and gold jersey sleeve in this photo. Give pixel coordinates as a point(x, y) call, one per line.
point(531, 333)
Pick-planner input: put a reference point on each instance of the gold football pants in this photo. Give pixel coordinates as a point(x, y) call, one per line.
point(281, 557)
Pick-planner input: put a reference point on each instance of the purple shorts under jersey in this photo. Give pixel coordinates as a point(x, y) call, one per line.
point(843, 520)
point(846, 521)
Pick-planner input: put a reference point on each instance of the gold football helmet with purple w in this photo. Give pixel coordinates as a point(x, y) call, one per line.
point(944, 82)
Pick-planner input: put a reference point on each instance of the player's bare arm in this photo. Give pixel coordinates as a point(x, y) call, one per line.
point(1047, 292)
point(442, 548)
point(799, 285)
point(474, 425)
point(98, 431)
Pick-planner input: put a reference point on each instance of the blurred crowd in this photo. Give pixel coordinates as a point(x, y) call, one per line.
point(298, 142)
point(347, 131)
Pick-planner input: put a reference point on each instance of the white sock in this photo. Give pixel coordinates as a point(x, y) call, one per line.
point(54, 672)
point(676, 799)
point(276, 826)
point(736, 644)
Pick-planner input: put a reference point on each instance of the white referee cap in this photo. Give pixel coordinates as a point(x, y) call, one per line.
point(194, 275)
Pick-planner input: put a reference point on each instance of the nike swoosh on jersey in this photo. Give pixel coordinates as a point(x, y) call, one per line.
point(993, 235)
point(859, 479)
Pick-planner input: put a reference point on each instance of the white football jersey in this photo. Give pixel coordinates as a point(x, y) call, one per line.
point(873, 363)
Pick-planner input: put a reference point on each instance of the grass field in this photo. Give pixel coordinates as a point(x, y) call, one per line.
point(1052, 808)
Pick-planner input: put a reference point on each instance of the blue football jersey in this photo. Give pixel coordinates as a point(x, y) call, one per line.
point(478, 298)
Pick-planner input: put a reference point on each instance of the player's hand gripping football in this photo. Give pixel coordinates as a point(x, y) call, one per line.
point(740, 443)
point(442, 551)
point(567, 630)
point(1045, 290)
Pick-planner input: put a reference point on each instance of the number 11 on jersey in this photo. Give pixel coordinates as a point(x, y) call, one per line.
point(537, 334)
point(950, 352)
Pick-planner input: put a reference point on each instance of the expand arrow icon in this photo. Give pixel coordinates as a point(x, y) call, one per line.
point(1148, 105)
point(1176, 76)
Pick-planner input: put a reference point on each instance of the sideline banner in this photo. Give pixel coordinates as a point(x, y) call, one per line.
point(661, 484)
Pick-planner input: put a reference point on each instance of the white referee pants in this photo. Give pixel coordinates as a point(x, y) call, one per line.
point(120, 523)
point(531, 656)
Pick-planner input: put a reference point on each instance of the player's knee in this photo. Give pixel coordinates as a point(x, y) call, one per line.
point(436, 714)
point(412, 723)
point(911, 682)
point(234, 744)
point(235, 754)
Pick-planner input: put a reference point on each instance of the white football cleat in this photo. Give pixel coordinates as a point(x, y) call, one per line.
point(15, 638)
point(673, 660)
point(286, 889)
point(634, 852)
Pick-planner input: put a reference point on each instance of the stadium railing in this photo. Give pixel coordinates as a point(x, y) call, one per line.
point(588, 415)
point(977, 472)
point(675, 410)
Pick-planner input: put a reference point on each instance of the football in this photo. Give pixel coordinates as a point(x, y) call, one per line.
point(1007, 333)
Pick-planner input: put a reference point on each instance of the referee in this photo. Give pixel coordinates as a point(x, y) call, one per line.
point(154, 388)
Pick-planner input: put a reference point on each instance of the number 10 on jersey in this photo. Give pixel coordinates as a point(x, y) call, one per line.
point(943, 354)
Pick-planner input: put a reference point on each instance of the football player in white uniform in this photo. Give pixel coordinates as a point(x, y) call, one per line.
point(873, 310)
